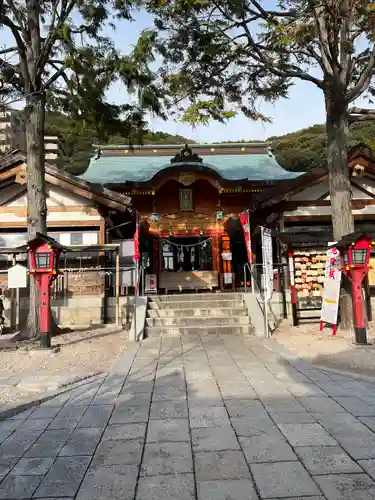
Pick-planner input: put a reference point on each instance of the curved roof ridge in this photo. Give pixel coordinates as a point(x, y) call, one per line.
point(114, 169)
point(220, 145)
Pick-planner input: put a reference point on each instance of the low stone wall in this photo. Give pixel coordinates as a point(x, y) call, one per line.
point(78, 311)
point(90, 310)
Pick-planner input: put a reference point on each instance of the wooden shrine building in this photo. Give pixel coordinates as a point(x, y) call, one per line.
point(189, 201)
point(300, 209)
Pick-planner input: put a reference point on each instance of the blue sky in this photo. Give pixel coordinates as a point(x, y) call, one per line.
point(305, 106)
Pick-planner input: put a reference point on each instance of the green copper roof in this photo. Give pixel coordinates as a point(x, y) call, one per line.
point(112, 169)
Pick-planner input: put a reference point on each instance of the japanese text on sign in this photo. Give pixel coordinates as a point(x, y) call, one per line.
point(332, 283)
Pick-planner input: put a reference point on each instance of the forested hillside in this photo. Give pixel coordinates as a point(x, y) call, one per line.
point(77, 140)
point(300, 151)
point(306, 148)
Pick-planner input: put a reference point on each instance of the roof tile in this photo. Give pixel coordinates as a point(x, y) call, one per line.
point(253, 167)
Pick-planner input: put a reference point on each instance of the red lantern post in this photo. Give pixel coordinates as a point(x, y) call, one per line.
point(355, 250)
point(44, 253)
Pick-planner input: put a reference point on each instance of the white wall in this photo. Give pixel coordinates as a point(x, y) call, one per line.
point(312, 192)
point(313, 211)
point(56, 198)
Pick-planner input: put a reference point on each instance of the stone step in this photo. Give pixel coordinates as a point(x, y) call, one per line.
point(197, 297)
point(196, 312)
point(243, 330)
point(196, 321)
point(192, 304)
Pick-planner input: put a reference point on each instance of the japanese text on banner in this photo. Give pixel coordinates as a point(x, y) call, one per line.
point(332, 283)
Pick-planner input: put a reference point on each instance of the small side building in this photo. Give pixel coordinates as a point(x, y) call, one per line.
point(301, 211)
point(79, 214)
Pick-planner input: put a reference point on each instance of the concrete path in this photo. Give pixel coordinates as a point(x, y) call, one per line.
point(198, 419)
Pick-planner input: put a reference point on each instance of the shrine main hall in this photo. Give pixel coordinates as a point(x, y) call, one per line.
point(189, 200)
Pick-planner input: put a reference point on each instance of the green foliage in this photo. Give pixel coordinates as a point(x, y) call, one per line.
point(228, 55)
point(77, 139)
point(73, 64)
point(306, 149)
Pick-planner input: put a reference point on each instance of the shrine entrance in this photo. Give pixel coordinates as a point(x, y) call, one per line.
point(186, 254)
point(186, 263)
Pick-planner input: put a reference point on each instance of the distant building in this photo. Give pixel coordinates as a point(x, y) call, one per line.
point(12, 137)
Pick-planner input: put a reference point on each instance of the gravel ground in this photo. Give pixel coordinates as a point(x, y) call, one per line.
point(321, 348)
point(28, 371)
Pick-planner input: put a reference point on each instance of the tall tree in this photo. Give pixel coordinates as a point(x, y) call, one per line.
point(58, 57)
point(224, 54)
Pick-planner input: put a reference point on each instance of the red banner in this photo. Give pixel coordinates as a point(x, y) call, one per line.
point(137, 254)
point(245, 223)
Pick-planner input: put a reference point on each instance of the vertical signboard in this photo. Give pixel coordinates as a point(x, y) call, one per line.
point(150, 283)
point(267, 262)
point(331, 292)
point(245, 223)
point(136, 251)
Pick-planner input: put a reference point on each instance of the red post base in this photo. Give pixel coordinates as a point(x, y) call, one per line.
point(358, 308)
point(45, 340)
point(45, 312)
point(360, 335)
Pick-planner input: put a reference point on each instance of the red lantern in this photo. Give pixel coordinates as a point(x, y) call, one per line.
point(44, 253)
point(355, 250)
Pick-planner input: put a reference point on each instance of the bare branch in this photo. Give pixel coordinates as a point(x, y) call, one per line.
point(345, 30)
point(266, 14)
point(365, 78)
point(361, 114)
point(289, 72)
point(59, 73)
point(361, 111)
point(362, 118)
point(18, 17)
point(65, 10)
point(6, 21)
point(323, 42)
point(8, 50)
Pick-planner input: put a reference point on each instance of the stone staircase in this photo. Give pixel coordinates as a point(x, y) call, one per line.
point(220, 313)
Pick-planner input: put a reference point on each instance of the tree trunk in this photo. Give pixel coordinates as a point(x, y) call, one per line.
point(339, 185)
point(36, 196)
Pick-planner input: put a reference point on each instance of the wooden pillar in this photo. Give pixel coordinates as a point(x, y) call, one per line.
point(215, 253)
point(293, 293)
point(225, 248)
point(102, 232)
point(155, 258)
point(118, 287)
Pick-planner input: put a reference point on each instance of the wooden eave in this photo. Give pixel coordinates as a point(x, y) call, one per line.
point(10, 166)
point(285, 189)
point(170, 150)
point(224, 185)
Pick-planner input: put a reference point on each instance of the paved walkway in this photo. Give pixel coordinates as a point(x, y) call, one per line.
point(206, 419)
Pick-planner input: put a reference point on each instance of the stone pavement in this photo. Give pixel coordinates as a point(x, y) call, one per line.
point(198, 419)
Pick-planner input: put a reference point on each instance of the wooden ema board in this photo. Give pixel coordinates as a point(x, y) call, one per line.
point(371, 273)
